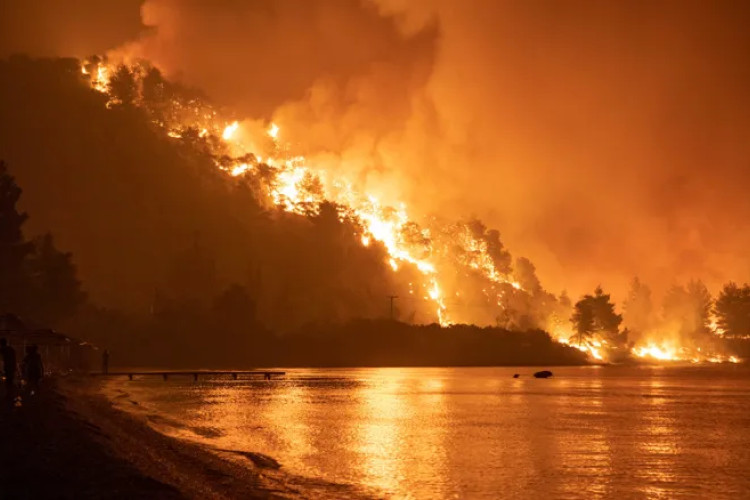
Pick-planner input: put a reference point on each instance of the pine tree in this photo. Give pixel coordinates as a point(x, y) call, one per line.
point(13, 249)
point(732, 309)
point(37, 281)
point(596, 314)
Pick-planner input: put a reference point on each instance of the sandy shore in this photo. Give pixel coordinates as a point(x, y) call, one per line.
point(70, 442)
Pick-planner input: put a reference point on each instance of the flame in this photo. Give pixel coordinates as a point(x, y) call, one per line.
point(273, 132)
point(667, 351)
point(239, 169)
point(591, 347)
point(661, 353)
point(229, 131)
point(297, 188)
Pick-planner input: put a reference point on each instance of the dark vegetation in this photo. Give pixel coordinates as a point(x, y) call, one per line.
point(36, 279)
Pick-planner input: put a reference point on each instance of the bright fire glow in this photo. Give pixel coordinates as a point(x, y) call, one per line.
point(229, 131)
point(273, 132)
point(294, 187)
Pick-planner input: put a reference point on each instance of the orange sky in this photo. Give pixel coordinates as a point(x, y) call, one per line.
point(603, 140)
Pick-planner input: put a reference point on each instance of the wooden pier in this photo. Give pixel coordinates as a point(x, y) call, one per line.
point(235, 374)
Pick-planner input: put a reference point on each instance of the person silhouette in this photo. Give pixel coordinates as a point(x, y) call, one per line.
point(105, 362)
point(33, 369)
point(9, 364)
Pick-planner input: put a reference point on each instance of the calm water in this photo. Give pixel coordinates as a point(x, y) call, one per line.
point(589, 432)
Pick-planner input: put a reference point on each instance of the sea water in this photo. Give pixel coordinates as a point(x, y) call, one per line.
point(587, 432)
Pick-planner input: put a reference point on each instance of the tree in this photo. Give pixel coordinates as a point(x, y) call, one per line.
point(122, 85)
point(13, 249)
point(36, 279)
point(700, 301)
point(688, 309)
point(53, 284)
point(596, 314)
point(583, 317)
point(732, 309)
point(638, 308)
point(525, 274)
point(501, 258)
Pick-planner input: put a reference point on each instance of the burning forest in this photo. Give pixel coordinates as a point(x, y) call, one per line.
point(263, 171)
point(448, 272)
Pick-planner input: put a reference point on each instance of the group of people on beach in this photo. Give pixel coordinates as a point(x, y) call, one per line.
point(31, 369)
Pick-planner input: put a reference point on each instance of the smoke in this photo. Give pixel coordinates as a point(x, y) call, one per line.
point(604, 140)
point(77, 28)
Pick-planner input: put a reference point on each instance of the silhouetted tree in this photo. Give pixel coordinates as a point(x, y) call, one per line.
point(55, 289)
point(583, 317)
point(501, 258)
point(732, 310)
point(596, 314)
point(122, 85)
point(155, 92)
point(525, 273)
point(36, 279)
point(13, 249)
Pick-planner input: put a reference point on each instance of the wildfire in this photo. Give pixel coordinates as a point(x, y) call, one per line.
point(295, 187)
point(229, 131)
point(591, 347)
point(273, 132)
point(670, 352)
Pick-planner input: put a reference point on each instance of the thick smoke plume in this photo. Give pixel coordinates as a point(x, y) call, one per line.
point(603, 140)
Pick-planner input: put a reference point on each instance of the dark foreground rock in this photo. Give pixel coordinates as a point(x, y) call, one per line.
point(543, 374)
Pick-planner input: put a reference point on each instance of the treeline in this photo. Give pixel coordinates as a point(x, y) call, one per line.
point(196, 339)
point(36, 279)
point(689, 316)
point(39, 282)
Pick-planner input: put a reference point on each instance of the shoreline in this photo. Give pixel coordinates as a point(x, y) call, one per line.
point(71, 441)
point(49, 451)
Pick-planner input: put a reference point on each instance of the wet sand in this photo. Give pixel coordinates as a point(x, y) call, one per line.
point(70, 442)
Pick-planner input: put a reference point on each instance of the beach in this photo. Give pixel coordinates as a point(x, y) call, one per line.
point(587, 432)
point(69, 441)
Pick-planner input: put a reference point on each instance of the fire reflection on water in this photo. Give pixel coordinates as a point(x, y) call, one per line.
point(379, 438)
point(591, 432)
point(660, 442)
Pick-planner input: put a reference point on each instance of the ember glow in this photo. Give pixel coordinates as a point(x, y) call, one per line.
point(450, 258)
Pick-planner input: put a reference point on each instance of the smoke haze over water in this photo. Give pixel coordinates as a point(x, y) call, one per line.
point(603, 140)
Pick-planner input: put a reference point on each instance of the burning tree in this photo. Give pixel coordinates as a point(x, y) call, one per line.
point(594, 315)
point(638, 308)
point(687, 310)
